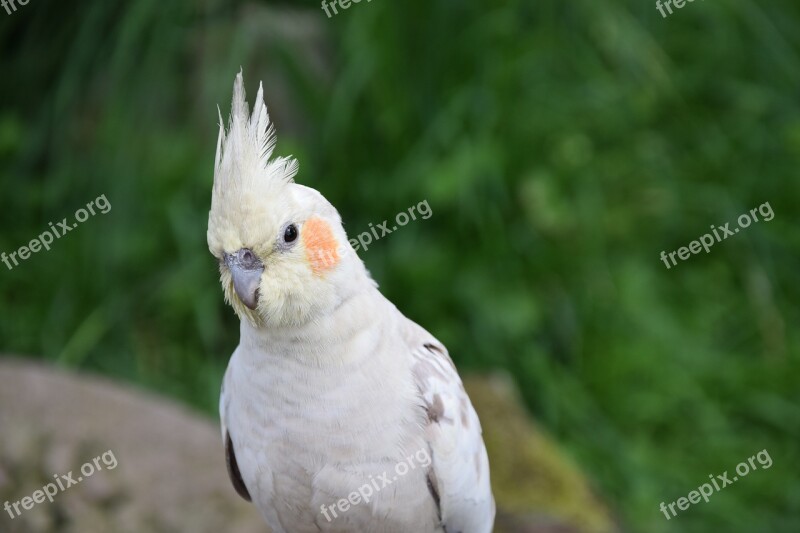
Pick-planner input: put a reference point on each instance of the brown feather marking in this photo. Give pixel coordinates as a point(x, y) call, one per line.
point(433, 488)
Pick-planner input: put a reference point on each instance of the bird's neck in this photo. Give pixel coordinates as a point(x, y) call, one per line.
point(328, 338)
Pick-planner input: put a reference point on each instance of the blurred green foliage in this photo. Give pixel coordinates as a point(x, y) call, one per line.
point(561, 146)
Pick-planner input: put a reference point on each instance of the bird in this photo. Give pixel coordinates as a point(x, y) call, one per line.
point(337, 412)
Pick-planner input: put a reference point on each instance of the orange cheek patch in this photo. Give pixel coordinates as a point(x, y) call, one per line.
point(321, 247)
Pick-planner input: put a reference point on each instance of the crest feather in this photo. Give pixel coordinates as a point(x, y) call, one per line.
point(248, 143)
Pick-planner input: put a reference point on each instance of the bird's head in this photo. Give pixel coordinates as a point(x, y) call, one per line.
point(283, 254)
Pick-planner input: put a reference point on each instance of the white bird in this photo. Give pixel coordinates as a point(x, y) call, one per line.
point(338, 413)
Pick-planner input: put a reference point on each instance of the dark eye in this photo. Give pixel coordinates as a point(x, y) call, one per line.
point(290, 233)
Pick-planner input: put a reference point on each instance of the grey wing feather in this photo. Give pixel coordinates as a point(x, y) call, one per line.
point(459, 476)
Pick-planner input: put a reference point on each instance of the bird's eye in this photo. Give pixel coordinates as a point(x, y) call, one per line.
point(290, 233)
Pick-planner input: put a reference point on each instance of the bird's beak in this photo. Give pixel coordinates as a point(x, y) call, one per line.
point(246, 270)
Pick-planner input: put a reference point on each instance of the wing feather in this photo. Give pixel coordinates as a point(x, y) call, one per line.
point(459, 477)
point(230, 452)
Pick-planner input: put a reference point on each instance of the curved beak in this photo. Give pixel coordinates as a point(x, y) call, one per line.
point(246, 272)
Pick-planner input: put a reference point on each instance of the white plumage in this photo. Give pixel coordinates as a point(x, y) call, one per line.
point(331, 387)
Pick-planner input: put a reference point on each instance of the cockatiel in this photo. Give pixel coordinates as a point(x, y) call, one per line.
point(338, 413)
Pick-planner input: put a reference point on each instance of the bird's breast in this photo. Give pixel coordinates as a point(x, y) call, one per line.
point(308, 437)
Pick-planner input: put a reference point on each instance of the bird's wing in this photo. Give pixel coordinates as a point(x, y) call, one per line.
point(230, 454)
point(459, 475)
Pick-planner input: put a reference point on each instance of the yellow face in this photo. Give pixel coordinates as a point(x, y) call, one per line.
point(275, 257)
point(279, 244)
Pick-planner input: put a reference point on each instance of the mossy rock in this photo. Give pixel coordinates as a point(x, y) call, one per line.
point(537, 488)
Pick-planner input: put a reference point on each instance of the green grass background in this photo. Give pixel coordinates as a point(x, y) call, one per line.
point(561, 146)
